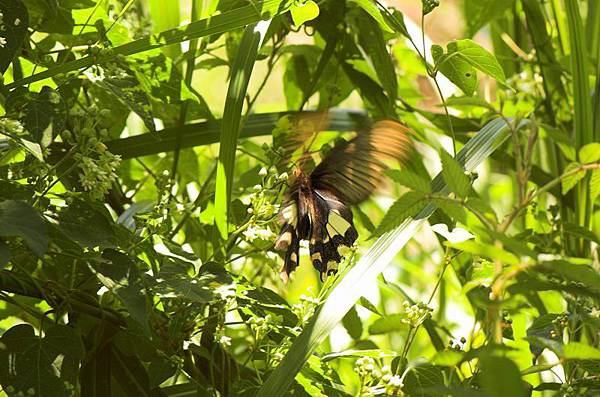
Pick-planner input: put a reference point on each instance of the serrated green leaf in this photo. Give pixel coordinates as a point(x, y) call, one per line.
point(453, 209)
point(410, 180)
point(407, 205)
point(454, 175)
point(570, 181)
point(589, 153)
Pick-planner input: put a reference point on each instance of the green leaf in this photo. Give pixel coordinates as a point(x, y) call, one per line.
point(583, 274)
point(454, 175)
point(458, 70)
point(478, 57)
point(580, 351)
point(371, 8)
point(15, 22)
point(241, 72)
point(501, 377)
point(410, 180)
point(120, 80)
point(487, 250)
point(43, 114)
point(570, 181)
point(589, 153)
point(595, 185)
point(479, 13)
point(407, 205)
point(388, 323)
point(471, 53)
point(367, 304)
point(373, 44)
point(86, 223)
point(18, 218)
point(353, 324)
point(303, 12)
point(349, 288)
point(32, 357)
point(454, 210)
point(421, 379)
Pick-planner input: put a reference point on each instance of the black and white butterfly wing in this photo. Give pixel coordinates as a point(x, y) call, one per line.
point(333, 235)
point(317, 208)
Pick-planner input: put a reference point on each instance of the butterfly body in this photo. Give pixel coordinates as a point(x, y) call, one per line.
point(317, 204)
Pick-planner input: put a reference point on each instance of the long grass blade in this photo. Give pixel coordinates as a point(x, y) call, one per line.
point(227, 21)
point(207, 132)
point(350, 288)
point(583, 117)
point(232, 116)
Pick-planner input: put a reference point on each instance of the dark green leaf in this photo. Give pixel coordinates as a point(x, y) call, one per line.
point(18, 218)
point(501, 377)
point(353, 324)
point(86, 223)
point(43, 114)
point(14, 22)
point(479, 13)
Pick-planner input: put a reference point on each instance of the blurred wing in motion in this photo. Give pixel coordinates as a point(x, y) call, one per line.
point(354, 170)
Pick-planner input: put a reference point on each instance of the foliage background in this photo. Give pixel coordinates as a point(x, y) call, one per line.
point(139, 187)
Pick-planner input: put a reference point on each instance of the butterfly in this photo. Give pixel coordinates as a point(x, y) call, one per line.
point(317, 204)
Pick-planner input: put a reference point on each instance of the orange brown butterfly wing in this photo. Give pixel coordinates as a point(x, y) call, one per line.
point(353, 170)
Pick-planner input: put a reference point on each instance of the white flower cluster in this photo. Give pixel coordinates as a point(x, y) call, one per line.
point(96, 163)
point(377, 380)
point(305, 308)
point(261, 206)
point(10, 126)
point(261, 325)
point(416, 314)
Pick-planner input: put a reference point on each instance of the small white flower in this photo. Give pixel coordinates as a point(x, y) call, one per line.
point(263, 171)
point(251, 233)
point(225, 340)
point(2, 42)
point(17, 22)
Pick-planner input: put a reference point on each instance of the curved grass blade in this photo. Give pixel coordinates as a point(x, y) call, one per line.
point(216, 24)
point(232, 118)
point(350, 288)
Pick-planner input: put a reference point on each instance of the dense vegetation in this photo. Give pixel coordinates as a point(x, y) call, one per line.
point(139, 191)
